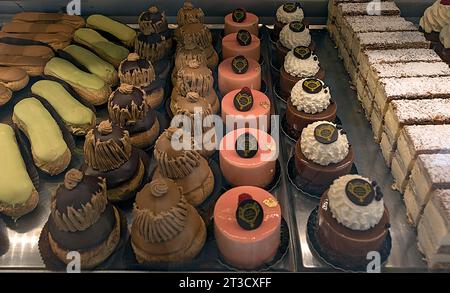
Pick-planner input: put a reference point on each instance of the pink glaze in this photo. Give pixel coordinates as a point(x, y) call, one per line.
point(246, 249)
point(257, 171)
point(231, 47)
point(253, 118)
point(250, 23)
point(229, 80)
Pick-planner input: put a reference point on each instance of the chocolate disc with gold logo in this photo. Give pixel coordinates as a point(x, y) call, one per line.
point(360, 192)
point(312, 85)
point(239, 64)
point(302, 52)
point(290, 7)
point(249, 213)
point(246, 146)
point(326, 133)
point(239, 15)
point(296, 26)
point(243, 101)
point(244, 38)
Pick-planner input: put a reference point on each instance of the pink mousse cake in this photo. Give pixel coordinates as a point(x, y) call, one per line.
point(237, 72)
point(248, 156)
point(240, 19)
point(241, 43)
point(247, 242)
point(246, 108)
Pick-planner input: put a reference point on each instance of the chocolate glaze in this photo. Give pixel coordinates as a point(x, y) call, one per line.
point(79, 196)
point(288, 81)
point(318, 178)
point(89, 238)
point(153, 17)
point(297, 120)
point(143, 124)
point(124, 100)
point(346, 245)
point(118, 176)
point(116, 134)
point(135, 65)
point(153, 38)
point(153, 86)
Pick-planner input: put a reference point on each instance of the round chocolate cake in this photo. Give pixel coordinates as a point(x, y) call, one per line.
point(153, 21)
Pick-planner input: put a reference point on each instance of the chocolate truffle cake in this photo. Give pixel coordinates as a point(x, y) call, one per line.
point(108, 153)
point(166, 228)
point(322, 154)
point(352, 220)
point(140, 73)
point(195, 77)
point(185, 166)
point(184, 55)
point(153, 21)
point(200, 35)
point(82, 220)
point(128, 109)
point(310, 101)
point(286, 13)
point(188, 14)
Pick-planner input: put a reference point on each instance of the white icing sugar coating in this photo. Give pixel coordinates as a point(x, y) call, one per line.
point(323, 154)
point(444, 36)
point(301, 68)
point(287, 17)
point(435, 17)
point(347, 213)
point(310, 103)
point(291, 39)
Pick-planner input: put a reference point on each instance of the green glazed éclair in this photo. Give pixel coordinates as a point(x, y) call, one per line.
point(107, 50)
point(50, 152)
point(15, 183)
point(77, 117)
point(89, 86)
point(122, 31)
point(94, 64)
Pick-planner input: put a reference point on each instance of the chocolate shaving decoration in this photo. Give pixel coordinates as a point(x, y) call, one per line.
point(240, 64)
point(243, 101)
point(297, 26)
point(249, 213)
point(239, 15)
point(244, 38)
point(290, 7)
point(360, 192)
point(246, 146)
point(326, 133)
point(302, 52)
point(72, 178)
point(312, 85)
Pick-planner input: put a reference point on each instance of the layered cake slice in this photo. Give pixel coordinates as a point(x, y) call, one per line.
point(430, 172)
point(433, 232)
point(368, 58)
point(415, 140)
point(388, 40)
point(411, 112)
point(351, 25)
point(411, 69)
point(366, 8)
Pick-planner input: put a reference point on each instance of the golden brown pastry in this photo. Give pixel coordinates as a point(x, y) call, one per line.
point(42, 17)
point(166, 228)
point(34, 66)
point(38, 28)
point(57, 41)
point(5, 94)
point(185, 166)
point(41, 51)
point(13, 78)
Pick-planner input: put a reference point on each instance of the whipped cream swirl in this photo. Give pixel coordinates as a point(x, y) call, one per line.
point(435, 17)
point(287, 17)
point(320, 153)
point(299, 67)
point(310, 103)
point(291, 39)
point(352, 216)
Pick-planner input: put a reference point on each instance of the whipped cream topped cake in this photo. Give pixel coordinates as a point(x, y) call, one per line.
point(415, 140)
point(430, 172)
point(433, 232)
point(411, 112)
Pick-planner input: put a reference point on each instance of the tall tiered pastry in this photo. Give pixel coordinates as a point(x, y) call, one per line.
point(178, 160)
point(108, 153)
point(352, 220)
point(166, 228)
point(82, 220)
point(247, 223)
point(184, 55)
point(141, 73)
point(434, 19)
point(128, 110)
point(286, 13)
point(195, 77)
point(186, 15)
point(200, 35)
point(322, 154)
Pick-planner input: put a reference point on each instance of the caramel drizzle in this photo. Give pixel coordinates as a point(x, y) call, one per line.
point(150, 26)
point(138, 77)
point(74, 220)
point(191, 81)
point(152, 52)
point(176, 167)
point(106, 155)
point(163, 226)
point(202, 38)
point(126, 116)
point(184, 56)
point(189, 14)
